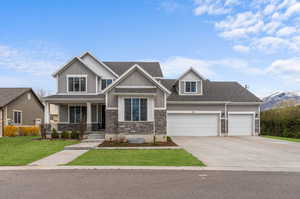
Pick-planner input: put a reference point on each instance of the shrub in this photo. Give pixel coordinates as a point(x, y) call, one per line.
point(284, 122)
point(29, 130)
point(10, 131)
point(65, 135)
point(54, 134)
point(74, 135)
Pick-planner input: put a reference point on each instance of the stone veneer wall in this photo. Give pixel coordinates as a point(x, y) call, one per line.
point(111, 121)
point(68, 127)
point(135, 128)
point(160, 117)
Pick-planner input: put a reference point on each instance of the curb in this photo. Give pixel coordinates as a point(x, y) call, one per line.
point(184, 168)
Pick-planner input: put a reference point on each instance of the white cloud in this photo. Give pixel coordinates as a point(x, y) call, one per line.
point(286, 31)
point(280, 66)
point(38, 59)
point(241, 48)
point(293, 9)
point(214, 7)
point(170, 5)
point(257, 23)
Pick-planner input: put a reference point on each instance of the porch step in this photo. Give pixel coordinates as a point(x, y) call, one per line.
point(95, 136)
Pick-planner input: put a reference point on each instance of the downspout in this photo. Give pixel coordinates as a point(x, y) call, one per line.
point(226, 120)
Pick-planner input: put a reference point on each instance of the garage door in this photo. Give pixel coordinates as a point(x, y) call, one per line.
point(179, 124)
point(240, 124)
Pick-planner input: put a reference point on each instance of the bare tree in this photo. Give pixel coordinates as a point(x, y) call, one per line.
point(41, 93)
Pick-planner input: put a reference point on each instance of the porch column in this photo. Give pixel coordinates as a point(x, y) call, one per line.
point(88, 113)
point(46, 113)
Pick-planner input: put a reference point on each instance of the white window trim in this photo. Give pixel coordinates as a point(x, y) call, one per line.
point(21, 117)
point(112, 80)
point(69, 105)
point(190, 93)
point(77, 92)
point(123, 110)
point(132, 109)
point(196, 84)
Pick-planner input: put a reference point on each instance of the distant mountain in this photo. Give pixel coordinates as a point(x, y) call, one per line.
point(278, 98)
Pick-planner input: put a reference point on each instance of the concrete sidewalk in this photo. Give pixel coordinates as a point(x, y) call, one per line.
point(59, 158)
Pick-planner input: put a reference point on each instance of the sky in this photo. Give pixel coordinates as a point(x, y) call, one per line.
point(256, 43)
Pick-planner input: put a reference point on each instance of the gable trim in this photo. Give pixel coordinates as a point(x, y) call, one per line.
point(193, 70)
point(123, 76)
point(71, 62)
point(100, 62)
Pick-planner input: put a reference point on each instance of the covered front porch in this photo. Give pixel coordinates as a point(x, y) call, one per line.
point(77, 114)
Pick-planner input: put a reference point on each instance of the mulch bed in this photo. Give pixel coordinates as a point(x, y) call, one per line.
point(116, 144)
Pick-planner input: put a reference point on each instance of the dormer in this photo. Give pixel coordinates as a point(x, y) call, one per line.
point(190, 83)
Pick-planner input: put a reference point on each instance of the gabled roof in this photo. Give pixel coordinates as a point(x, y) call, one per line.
point(191, 70)
point(116, 68)
point(128, 72)
point(91, 68)
point(7, 95)
point(213, 91)
point(153, 68)
point(99, 62)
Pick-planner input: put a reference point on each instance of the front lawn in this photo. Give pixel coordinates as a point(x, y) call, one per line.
point(282, 138)
point(137, 157)
point(23, 150)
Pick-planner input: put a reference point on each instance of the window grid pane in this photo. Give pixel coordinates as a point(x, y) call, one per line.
point(127, 110)
point(143, 109)
point(135, 109)
point(193, 86)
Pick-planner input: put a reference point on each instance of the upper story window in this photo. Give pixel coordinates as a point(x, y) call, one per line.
point(77, 83)
point(135, 109)
point(190, 86)
point(105, 83)
point(17, 117)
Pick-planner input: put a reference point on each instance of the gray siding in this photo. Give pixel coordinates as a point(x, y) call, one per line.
point(134, 79)
point(76, 68)
point(31, 109)
point(243, 108)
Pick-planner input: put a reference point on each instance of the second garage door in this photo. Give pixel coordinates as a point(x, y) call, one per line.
point(240, 124)
point(182, 124)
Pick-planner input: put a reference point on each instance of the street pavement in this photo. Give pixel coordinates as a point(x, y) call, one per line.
point(148, 184)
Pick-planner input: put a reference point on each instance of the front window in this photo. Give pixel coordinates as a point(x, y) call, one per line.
point(135, 109)
point(77, 114)
point(17, 117)
point(105, 83)
point(77, 84)
point(190, 86)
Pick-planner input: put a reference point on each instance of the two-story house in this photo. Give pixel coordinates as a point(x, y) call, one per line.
point(134, 99)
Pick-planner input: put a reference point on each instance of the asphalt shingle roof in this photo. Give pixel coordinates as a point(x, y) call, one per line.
point(213, 91)
point(7, 95)
point(153, 68)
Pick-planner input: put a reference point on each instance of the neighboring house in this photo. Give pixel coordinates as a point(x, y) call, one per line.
point(133, 99)
point(19, 106)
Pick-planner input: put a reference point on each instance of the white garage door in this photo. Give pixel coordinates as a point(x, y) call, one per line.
point(180, 124)
point(240, 124)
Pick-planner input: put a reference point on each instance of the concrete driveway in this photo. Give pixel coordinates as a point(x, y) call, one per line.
point(243, 152)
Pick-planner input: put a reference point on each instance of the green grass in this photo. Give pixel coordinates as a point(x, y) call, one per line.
point(282, 138)
point(15, 151)
point(137, 157)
